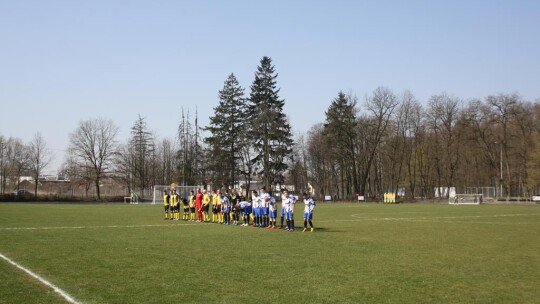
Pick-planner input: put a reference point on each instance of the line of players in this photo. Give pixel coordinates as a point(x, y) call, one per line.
point(228, 208)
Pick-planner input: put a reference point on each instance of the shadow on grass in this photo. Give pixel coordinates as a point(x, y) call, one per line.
point(317, 229)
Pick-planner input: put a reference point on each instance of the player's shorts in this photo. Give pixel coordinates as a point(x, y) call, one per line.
point(308, 215)
point(289, 215)
point(186, 209)
point(192, 209)
point(283, 211)
point(257, 211)
point(273, 214)
point(205, 208)
point(264, 210)
point(166, 207)
point(247, 210)
point(218, 209)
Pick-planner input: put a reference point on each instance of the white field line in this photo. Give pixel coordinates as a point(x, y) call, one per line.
point(93, 227)
point(56, 289)
point(428, 221)
point(357, 218)
point(447, 217)
point(362, 217)
point(473, 222)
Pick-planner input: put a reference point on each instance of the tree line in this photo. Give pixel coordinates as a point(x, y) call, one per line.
point(392, 142)
point(384, 142)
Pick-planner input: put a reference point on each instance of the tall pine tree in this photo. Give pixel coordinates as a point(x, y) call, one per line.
point(226, 127)
point(340, 132)
point(142, 147)
point(270, 128)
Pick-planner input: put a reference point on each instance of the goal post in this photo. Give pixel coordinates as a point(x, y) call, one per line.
point(183, 191)
point(466, 199)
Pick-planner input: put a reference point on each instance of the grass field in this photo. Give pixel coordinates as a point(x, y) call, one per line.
point(368, 253)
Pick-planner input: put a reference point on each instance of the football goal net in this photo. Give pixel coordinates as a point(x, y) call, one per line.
point(183, 191)
point(466, 199)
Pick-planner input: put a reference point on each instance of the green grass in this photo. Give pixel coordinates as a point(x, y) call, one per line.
point(411, 253)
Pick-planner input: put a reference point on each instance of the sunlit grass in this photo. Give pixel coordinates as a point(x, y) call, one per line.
point(358, 254)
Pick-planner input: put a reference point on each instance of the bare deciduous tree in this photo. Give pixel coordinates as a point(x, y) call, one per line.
point(39, 157)
point(15, 162)
point(442, 118)
point(94, 142)
point(167, 162)
point(381, 104)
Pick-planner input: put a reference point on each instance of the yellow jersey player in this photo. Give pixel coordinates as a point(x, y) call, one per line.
point(219, 206)
point(178, 202)
point(166, 202)
point(171, 206)
point(215, 211)
point(206, 206)
point(235, 209)
point(191, 206)
point(176, 205)
point(185, 202)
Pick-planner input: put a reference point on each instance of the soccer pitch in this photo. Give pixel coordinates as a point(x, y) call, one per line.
point(359, 253)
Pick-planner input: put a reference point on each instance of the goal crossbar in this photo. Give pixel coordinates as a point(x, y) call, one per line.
point(183, 191)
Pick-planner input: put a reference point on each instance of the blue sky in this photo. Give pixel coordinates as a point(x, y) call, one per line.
point(66, 61)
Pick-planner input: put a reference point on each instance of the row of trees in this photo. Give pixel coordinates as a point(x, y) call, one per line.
point(248, 137)
point(19, 159)
point(392, 142)
point(386, 142)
